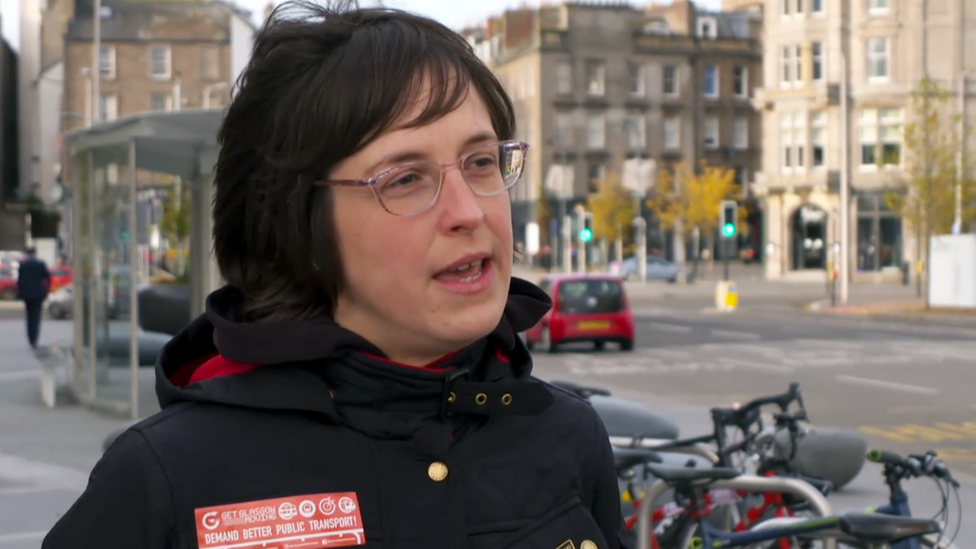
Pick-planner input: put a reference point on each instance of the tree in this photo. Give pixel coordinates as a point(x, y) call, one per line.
point(926, 196)
point(613, 210)
point(693, 199)
point(175, 223)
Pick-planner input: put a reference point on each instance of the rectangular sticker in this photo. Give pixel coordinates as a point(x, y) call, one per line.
point(298, 522)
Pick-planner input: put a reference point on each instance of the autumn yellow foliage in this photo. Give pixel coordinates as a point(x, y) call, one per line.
point(692, 198)
point(613, 209)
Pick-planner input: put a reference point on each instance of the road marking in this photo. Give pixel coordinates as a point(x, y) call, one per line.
point(886, 385)
point(673, 328)
point(911, 433)
point(21, 490)
point(19, 375)
point(735, 335)
point(21, 536)
point(27, 471)
point(672, 353)
point(756, 365)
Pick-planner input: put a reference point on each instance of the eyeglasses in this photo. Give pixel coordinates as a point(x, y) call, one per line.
point(413, 188)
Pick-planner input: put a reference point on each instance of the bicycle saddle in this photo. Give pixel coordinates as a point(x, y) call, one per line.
point(628, 458)
point(879, 528)
point(689, 474)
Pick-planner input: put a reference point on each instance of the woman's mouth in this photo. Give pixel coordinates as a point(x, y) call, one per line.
point(467, 273)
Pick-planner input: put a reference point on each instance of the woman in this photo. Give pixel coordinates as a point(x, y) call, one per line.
point(359, 381)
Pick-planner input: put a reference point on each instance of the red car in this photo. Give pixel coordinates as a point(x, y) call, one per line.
point(585, 308)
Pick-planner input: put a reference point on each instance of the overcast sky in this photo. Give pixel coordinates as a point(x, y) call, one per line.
point(453, 13)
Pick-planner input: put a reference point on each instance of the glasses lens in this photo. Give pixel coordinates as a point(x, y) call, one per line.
point(494, 168)
point(409, 188)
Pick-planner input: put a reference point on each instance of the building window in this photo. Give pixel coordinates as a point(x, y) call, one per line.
point(877, 59)
point(159, 102)
point(710, 131)
point(596, 131)
point(786, 66)
point(106, 62)
point(792, 138)
point(565, 130)
point(799, 8)
point(816, 54)
point(109, 107)
point(741, 176)
point(740, 81)
point(564, 79)
point(209, 63)
point(878, 7)
point(816, 7)
point(797, 65)
point(881, 137)
point(670, 80)
point(672, 133)
point(636, 128)
point(596, 171)
point(595, 78)
point(787, 6)
point(159, 62)
point(707, 28)
point(740, 133)
point(637, 80)
point(711, 81)
point(818, 139)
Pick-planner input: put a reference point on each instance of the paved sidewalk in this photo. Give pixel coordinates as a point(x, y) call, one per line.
point(45, 454)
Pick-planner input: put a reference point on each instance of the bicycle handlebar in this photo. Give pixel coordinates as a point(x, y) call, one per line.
point(928, 465)
point(745, 416)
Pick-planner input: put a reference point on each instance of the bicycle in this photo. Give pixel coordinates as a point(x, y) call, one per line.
point(867, 530)
point(757, 445)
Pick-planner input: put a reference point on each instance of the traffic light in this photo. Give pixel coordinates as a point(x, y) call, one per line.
point(586, 233)
point(727, 218)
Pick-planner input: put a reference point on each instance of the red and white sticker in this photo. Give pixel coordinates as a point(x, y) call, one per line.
point(299, 522)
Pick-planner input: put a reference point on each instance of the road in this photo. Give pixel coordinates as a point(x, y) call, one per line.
point(907, 386)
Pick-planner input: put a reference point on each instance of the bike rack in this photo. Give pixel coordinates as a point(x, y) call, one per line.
point(700, 450)
point(817, 501)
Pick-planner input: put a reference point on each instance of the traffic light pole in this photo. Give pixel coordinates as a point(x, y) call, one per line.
point(581, 245)
point(726, 253)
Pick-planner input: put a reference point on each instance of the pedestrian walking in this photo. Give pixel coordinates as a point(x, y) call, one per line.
point(359, 381)
point(33, 285)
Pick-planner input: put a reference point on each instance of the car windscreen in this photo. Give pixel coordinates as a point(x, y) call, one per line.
point(590, 297)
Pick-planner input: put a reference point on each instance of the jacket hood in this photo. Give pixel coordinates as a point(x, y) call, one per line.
point(315, 366)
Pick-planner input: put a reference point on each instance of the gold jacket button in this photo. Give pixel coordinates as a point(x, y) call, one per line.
point(587, 544)
point(437, 472)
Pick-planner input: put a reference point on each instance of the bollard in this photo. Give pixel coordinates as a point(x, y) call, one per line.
point(726, 296)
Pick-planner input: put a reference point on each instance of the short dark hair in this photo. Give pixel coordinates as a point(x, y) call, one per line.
point(322, 83)
point(30, 250)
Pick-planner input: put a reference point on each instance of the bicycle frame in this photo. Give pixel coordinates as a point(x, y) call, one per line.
point(898, 507)
point(818, 503)
point(715, 538)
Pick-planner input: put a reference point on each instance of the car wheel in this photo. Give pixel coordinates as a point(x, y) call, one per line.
point(627, 345)
point(673, 279)
point(55, 312)
point(546, 342)
point(599, 345)
point(8, 294)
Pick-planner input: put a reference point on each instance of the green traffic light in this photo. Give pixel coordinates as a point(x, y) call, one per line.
point(728, 230)
point(586, 235)
point(125, 235)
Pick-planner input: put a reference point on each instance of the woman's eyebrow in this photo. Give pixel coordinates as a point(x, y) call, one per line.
point(412, 155)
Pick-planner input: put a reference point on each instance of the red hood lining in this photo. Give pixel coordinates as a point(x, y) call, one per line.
point(213, 366)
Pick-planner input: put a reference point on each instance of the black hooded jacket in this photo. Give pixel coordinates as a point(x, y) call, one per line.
point(304, 435)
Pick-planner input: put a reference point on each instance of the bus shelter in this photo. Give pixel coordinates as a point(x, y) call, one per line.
point(112, 236)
